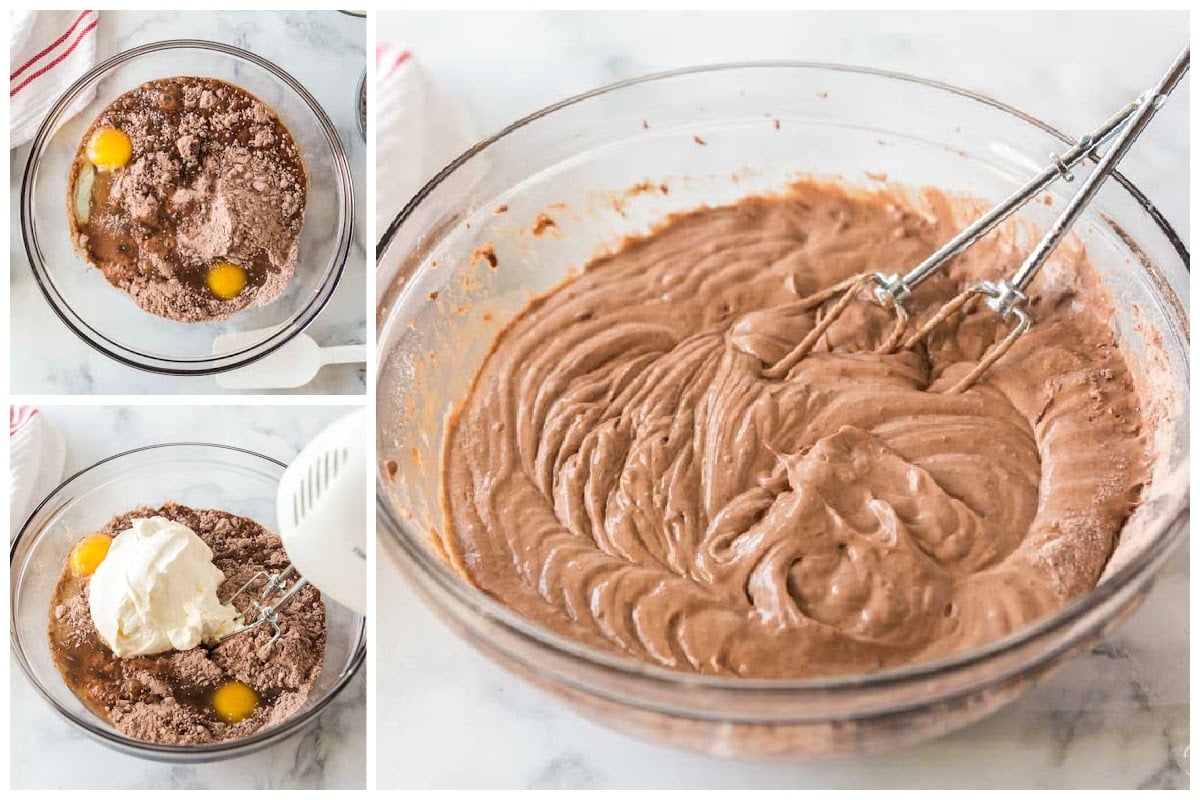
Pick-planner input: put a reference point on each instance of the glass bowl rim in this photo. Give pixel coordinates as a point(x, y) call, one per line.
point(360, 101)
point(481, 604)
point(388, 235)
point(231, 747)
point(208, 365)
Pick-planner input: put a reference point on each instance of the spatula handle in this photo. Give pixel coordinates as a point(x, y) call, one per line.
point(344, 354)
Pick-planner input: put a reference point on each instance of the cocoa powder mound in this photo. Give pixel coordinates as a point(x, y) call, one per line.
point(166, 698)
point(215, 177)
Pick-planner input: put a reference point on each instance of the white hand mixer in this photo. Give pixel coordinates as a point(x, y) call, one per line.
point(322, 512)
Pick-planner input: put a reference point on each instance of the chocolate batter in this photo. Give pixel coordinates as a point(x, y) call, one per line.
point(625, 474)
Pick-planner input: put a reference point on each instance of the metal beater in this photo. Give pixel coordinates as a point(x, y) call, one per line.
point(1005, 296)
point(278, 590)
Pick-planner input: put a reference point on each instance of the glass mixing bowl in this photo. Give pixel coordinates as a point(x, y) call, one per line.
point(360, 105)
point(196, 475)
point(611, 163)
point(108, 319)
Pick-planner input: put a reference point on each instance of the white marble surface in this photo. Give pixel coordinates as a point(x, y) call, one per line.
point(1117, 717)
point(325, 51)
point(1070, 69)
point(48, 752)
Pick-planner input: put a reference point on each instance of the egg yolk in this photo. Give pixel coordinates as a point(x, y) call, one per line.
point(109, 149)
point(226, 280)
point(234, 702)
point(87, 554)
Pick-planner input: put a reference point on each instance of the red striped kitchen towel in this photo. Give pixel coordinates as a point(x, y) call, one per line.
point(48, 51)
point(420, 127)
point(37, 454)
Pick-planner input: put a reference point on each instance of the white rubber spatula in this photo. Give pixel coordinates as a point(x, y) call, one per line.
point(322, 511)
point(294, 364)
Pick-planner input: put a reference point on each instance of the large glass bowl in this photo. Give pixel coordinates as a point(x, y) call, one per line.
point(611, 163)
point(196, 475)
point(105, 317)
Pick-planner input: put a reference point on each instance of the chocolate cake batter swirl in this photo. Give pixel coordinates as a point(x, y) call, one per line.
point(624, 473)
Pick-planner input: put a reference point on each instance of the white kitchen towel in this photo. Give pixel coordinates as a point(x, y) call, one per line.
point(419, 126)
point(47, 51)
point(37, 454)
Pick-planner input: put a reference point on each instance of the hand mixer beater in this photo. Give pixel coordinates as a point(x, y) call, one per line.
point(321, 508)
point(1005, 296)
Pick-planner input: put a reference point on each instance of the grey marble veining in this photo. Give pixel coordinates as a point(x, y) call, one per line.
point(325, 51)
point(1117, 717)
point(48, 752)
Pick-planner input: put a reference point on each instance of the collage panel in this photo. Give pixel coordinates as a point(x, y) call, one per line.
point(187, 194)
point(188, 578)
point(780, 401)
point(157, 622)
point(540, 399)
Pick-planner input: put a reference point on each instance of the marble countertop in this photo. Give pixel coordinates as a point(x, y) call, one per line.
point(48, 752)
point(325, 51)
point(1117, 717)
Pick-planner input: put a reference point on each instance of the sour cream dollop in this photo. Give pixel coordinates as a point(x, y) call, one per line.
point(156, 591)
